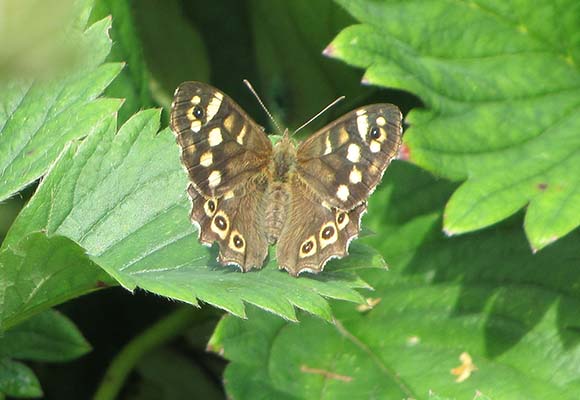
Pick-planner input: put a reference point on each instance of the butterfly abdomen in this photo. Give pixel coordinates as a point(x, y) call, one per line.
point(276, 210)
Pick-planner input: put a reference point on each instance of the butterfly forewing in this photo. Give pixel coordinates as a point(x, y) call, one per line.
point(221, 146)
point(225, 153)
point(344, 161)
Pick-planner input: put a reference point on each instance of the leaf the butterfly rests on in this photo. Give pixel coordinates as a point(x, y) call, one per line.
point(247, 194)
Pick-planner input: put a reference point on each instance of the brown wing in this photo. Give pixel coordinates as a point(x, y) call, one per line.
point(343, 162)
point(221, 146)
point(313, 234)
point(226, 154)
point(240, 235)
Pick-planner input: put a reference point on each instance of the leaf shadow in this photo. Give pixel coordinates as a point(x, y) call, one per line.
point(500, 278)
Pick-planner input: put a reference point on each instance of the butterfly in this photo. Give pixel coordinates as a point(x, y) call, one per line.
point(247, 193)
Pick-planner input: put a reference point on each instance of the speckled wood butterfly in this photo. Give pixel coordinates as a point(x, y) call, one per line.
point(248, 193)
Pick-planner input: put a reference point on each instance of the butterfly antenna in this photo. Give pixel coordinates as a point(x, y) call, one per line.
point(249, 85)
point(319, 113)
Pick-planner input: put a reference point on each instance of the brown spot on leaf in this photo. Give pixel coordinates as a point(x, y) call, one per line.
point(325, 373)
point(542, 186)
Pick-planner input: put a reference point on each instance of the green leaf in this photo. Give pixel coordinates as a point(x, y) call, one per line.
point(168, 375)
point(48, 336)
point(42, 272)
point(42, 39)
point(132, 84)
point(37, 118)
point(513, 312)
point(17, 380)
point(173, 49)
point(501, 83)
point(121, 197)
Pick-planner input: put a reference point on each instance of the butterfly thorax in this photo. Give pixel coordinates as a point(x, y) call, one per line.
point(281, 167)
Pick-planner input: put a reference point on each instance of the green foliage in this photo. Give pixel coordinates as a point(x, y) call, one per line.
point(35, 117)
point(485, 295)
point(46, 337)
point(501, 81)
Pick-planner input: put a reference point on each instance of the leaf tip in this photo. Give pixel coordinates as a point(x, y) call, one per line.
point(449, 232)
point(217, 349)
point(109, 19)
point(366, 81)
point(540, 244)
point(329, 51)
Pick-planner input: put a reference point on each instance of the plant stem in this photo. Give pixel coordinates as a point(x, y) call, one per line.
point(160, 333)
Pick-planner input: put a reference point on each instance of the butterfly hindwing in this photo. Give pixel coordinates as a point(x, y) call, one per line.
point(344, 161)
point(314, 234)
point(221, 146)
point(235, 222)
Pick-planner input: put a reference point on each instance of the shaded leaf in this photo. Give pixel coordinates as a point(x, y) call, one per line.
point(296, 80)
point(484, 294)
point(48, 336)
point(121, 196)
point(17, 380)
point(173, 49)
point(502, 86)
point(167, 375)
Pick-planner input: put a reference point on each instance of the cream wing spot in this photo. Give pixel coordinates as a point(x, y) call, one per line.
point(328, 145)
point(215, 137)
point(355, 176)
point(229, 122)
point(228, 195)
point(381, 121)
point(196, 126)
point(342, 219)
point(209, 207)
point(342, 137)
point(362, 124)
point(195, 100)
point(237, 242)
point(308, 247)
point(214, 106)
point(328, 234)
point(214, 178)
point(220, 224)
point(206, 159)
point(353, 153)
point(241, 135)
point(375, 146)
point(342, 193)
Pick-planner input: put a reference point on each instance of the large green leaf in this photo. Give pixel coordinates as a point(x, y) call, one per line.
point(485, 294)
point(121, 197)
point(501, 81)
point(38, 118)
